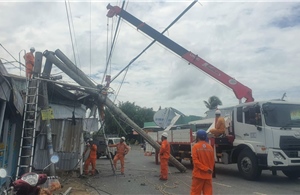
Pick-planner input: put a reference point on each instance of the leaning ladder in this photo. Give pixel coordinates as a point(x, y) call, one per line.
point(25, 159)
point(109, 154)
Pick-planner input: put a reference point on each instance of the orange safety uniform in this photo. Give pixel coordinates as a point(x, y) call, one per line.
point(164, 158)
point(203, 160)
point(91, 160)
point(219, 126)
point(29, 61)
point(122, 150)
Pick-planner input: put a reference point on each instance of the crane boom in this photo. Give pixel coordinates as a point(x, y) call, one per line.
point(240, 90)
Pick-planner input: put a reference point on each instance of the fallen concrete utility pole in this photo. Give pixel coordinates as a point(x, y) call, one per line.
point(72, 66)
point(80, 78)
point(114, 109)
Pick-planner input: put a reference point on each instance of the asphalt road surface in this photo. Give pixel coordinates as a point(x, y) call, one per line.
point(142, 177)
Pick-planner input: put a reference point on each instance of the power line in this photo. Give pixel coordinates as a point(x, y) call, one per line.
point(70, 31)
point(11, 63)
point(11, 55)
point(75, 40)
point(144, 50)
point(112, 45)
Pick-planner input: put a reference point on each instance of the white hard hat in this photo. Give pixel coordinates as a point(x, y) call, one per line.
point(123, 138)
point(218, 112)
point(164, 134)
point(32, 48)
point(91, 139)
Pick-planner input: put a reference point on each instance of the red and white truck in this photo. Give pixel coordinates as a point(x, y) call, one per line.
point(180, 142)
point(272, 142)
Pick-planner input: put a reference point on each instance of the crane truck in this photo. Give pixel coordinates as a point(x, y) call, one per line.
point(262, 134)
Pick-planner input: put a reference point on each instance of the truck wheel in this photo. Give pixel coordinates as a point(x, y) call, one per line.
point(293, 175)
point(248, 165)
point(98, 155)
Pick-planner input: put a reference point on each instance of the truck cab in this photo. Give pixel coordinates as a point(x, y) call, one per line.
point(262, 135)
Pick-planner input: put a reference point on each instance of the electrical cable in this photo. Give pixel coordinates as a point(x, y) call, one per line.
point(75, 40)
point(11, 63)
point(112, 45)
point(11, 55)
point(70, 31)
point(117, 122)
point(134, 59)
point(144, 50)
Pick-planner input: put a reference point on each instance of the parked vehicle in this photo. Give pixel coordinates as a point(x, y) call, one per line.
point(180, 142)
point(103, 150)
point(261, 135)
point(31, 183)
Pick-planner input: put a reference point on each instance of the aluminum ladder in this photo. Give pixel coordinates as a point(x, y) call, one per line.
point(25, 158)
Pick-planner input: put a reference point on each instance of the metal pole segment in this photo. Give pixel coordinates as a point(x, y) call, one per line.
point(80, 78)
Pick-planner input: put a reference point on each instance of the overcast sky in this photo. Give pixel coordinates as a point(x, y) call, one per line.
point(257, 43)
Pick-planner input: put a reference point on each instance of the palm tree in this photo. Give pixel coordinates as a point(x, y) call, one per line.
point(213, 102)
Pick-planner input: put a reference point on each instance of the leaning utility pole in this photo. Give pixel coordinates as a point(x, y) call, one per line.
point(46, 74)
point(81, 79)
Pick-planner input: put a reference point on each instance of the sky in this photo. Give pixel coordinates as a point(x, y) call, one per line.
point(255, 42)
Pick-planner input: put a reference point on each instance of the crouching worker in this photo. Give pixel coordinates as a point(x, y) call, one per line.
point(122, 150)
point(203, 161)
point(219, 125)
point(92, 157)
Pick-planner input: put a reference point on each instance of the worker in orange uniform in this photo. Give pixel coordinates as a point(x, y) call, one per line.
point(219, 125)
point(29, 61)
point(122, 150)
point(91, 158)
point(203, 161)
point(164, 154)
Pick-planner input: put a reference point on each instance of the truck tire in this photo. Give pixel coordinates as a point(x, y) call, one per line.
point(98, 155)
point(292, 175)
point(248, 165)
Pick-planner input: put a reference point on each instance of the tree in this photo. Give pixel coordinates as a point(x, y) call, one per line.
point(139, 115)
point(213, 102)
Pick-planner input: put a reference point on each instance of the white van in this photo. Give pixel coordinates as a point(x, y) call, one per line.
point(112, 150)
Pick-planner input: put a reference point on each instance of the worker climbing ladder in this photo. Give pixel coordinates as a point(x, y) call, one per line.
point(25, 158)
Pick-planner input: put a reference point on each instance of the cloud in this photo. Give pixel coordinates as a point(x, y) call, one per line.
point(254, 43)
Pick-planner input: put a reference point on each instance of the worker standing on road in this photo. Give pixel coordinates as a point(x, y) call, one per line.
point(91, 158)
point(164, 154)
point(203, 161)
point(29, 61)
point(122, 150)
point(219, 125)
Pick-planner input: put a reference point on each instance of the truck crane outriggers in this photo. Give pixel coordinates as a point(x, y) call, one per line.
point(261, 135)
point(241, 91)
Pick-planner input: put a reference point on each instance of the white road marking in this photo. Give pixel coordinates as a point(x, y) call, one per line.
point(222, 184)
point(259, 193)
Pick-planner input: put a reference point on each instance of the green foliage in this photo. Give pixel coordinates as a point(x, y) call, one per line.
point(213, 102)
point(139, 115)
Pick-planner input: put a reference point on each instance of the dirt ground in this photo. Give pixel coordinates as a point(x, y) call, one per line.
point(79, 184)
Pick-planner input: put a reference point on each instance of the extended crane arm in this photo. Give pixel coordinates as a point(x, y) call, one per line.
point(240, 90)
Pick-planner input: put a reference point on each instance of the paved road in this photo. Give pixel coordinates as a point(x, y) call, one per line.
point(142, 177)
